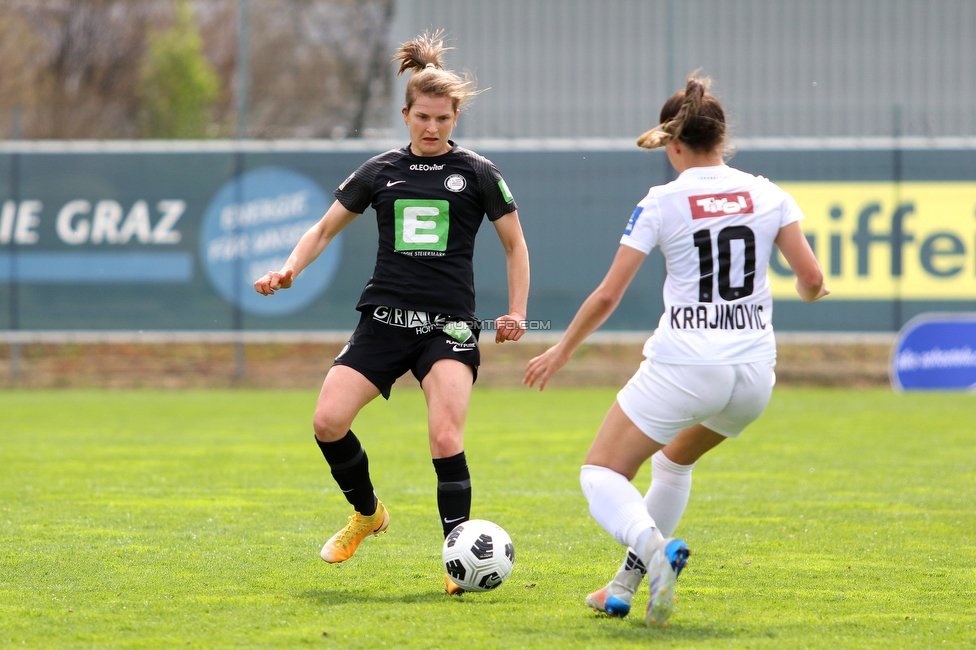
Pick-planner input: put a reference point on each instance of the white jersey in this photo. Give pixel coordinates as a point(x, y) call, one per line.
point(715, 226)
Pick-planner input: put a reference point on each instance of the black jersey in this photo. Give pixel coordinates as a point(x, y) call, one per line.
point(428, 211)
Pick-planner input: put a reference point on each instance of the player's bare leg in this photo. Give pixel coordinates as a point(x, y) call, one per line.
point(447, 390)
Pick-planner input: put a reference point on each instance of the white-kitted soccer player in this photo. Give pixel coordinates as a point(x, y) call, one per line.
point(708, 371)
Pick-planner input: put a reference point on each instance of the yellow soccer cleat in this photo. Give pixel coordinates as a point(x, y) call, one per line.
point(343, 544)
point(451, 587)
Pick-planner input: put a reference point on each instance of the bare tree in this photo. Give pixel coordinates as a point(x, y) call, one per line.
point(318, 67)
point(377, 72)
point(320, 56)
point(86, 78)
point(20, 49)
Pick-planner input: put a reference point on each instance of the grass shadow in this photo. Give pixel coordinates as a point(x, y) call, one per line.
point(633, 627)
point(347, 596)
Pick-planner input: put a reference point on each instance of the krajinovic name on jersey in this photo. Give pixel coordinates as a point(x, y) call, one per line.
point(736, 316)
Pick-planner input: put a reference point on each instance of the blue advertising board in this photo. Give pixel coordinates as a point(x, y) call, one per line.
point(251, 226)
point(935, 352)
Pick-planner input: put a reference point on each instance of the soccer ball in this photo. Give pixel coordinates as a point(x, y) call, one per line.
point(478, 555)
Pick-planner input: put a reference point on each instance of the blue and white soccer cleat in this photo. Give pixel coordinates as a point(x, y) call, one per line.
point(602, 601)
point(663, 569)
point(614, 599)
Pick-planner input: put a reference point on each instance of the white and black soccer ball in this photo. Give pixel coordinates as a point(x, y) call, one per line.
point(478, 555)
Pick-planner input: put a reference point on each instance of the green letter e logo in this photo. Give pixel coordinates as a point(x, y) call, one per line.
point(421, 224)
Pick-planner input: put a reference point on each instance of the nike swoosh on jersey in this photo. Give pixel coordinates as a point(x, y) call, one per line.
point(457, 349)
point(392, 183)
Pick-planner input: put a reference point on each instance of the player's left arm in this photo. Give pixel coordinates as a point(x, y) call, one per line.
point(796, 249)
point(511, 326)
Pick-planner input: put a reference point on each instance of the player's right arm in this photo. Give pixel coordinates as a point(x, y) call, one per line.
point(309, 247)
point(800, 257)
point(592, 313)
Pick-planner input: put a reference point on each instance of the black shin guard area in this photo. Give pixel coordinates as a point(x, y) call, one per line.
point(453, 491)
point(350, 469)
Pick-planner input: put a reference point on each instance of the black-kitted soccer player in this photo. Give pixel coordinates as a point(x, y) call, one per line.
point(418, 308)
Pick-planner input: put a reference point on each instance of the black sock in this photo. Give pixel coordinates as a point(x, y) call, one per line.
point(453, 490)
point(350, 469)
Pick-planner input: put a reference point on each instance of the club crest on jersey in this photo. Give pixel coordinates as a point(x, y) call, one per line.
point(704, 206)
point(455, 182)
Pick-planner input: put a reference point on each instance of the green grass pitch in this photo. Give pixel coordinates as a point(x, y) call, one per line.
point(841, 519)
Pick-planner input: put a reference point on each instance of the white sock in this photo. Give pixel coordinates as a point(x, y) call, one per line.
point(667, 497)
point(666, 500)
point(616, 505)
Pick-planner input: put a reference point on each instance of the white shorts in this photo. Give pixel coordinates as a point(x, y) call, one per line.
point(663, 399)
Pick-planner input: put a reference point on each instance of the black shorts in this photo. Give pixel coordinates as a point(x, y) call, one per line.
point(388, 342)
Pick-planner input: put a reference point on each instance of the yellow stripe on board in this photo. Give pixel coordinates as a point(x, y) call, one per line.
point(913, 241)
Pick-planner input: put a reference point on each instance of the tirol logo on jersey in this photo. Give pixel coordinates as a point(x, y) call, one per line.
point(704, 206)
point(421, 224)
point(455, 182)
point(506, 194)
point(458, 330)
